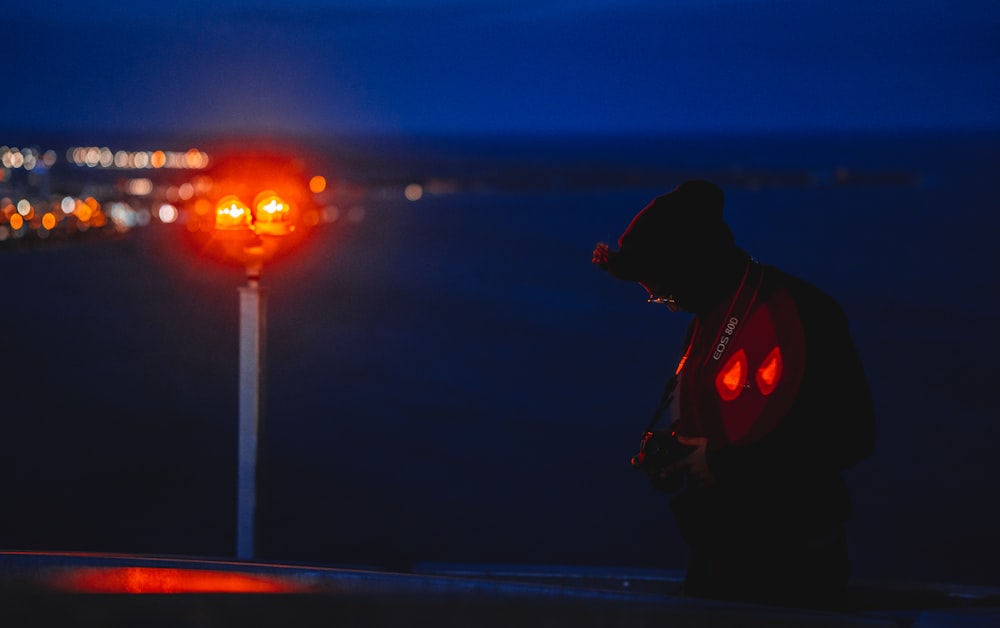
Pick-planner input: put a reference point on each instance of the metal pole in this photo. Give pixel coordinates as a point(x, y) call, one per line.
point(252, 325)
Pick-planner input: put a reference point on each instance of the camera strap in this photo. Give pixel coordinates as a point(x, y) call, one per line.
point(739, 308)
point(665, 400)
point(743, 301)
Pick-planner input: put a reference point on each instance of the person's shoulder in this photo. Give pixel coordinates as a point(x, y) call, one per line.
point(806, 294)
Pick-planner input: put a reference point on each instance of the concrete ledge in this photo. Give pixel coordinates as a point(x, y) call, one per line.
point(84, 589)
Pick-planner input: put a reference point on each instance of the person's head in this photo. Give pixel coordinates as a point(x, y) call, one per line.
point(678, 247)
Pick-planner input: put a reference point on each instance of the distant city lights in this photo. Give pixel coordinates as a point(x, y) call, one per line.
point(167, 213)
point(32, 159)
point(139, 187)
point(317, 184)
point(39, 200)
point(414, 192)
point(104, 157)
point(27, 158)
point(67, 215)
point(39, 211)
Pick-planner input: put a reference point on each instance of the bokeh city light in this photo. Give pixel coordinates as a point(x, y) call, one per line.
point(52, 195)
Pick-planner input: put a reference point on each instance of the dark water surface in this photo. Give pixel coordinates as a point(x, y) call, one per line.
point(450, 380)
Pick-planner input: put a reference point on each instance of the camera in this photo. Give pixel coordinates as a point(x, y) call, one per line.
point(657, 451)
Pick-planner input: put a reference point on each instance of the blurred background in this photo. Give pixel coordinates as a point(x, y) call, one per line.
point(448, 378)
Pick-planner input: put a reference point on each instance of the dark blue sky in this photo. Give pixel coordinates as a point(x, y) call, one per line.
point(610, 66)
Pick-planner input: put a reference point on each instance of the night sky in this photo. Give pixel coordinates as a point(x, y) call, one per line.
point(451, 66)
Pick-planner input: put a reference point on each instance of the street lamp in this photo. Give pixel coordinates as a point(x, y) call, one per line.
point(246, 235)
point(251, 227)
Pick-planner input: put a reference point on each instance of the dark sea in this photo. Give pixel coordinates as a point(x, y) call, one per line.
point(448, 379)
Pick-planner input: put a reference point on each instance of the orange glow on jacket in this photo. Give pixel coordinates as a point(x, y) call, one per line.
point(732, 377)
point(750, 392)
point(769, 373)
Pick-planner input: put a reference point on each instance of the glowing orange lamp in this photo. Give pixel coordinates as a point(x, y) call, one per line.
point(231, 213)
point(271, 214)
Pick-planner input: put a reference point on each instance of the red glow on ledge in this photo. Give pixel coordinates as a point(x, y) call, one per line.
point(167, 580)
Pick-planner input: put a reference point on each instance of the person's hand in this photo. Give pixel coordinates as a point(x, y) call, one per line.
point(601, 256)
point(695, 463)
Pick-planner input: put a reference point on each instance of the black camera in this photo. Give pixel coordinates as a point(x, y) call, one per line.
point(657, 451)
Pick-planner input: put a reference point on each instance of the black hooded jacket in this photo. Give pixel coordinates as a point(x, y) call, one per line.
point(783, 485)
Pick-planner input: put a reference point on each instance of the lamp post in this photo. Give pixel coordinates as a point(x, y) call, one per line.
point(263, 208)
point(250, 234)
point(252, 342)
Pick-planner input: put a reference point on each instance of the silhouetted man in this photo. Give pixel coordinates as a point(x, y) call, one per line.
point(772, 404)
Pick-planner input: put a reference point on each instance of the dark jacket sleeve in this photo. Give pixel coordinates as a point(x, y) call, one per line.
point(831, 425)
